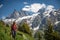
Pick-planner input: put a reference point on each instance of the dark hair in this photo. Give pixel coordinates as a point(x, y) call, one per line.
point(14, 22)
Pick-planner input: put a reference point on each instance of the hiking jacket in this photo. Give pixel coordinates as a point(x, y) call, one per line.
point(13, 27)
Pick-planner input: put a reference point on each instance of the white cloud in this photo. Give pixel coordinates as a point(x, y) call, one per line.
point(49, 7)
point(25, 3)
point(1, 5)
point(26, 8)
point(34, 7)
point(3, 17)
point(37, 6)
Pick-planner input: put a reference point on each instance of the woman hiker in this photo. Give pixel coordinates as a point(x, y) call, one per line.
point(13, 30)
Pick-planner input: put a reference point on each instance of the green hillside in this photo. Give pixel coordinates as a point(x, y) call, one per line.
point(5, 33)
point(24, 33)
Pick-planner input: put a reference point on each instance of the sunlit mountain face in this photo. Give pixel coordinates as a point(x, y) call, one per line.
point(35, 17)
point(8, 6)
point(36, 13)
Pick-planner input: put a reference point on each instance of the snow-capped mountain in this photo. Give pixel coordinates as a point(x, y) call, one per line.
point(35, 20)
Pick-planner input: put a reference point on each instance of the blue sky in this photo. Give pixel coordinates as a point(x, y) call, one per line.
point(8, 6)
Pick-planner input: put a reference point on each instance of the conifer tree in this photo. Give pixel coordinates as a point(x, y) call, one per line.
point(25, 28)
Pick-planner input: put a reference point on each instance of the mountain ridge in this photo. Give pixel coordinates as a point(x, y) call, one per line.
point(39, 18)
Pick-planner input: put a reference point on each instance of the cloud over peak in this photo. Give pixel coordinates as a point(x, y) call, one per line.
point(35, 7)
point(50, 7)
